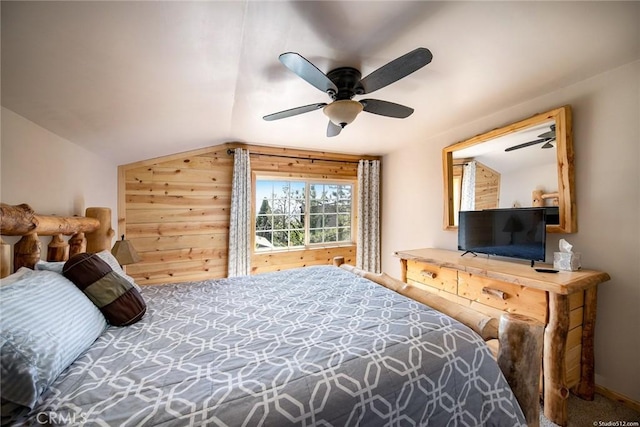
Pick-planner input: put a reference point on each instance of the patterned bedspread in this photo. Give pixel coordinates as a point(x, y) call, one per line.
point(316, 346)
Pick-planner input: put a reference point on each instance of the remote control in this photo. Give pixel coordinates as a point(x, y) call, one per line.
point(546, 270)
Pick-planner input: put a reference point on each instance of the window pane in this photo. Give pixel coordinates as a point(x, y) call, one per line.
point(330, 221)
point(281, 207)
point(332, 192)
point(330, 235)
point(330, 206)
point(297, 189)
point(280, 239)
point(315, 236)
point(315, 221)
point(315, 191)
point(296, 237)
point(345, 192)
point(278, 222)
point(264, 222)
point(280, 189)
point(344, 234)
point(344, 206)
point(344, 220)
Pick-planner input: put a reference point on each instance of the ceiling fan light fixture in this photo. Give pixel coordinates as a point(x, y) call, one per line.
point(343, 112)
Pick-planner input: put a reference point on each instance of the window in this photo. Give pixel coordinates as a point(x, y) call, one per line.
point(301, 213)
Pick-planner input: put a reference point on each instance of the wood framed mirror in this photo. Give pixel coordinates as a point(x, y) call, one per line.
point(527, 163)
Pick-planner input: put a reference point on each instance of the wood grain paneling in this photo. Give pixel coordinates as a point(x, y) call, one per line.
point(487, 187)
point(175, 210)
point(276, 261)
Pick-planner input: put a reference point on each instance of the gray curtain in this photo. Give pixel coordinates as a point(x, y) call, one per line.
point(240, 216)
point(368, 251)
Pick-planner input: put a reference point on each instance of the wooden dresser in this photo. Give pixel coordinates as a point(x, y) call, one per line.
point(565, 302)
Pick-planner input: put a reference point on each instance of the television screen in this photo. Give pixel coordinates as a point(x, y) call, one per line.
point(516, 233)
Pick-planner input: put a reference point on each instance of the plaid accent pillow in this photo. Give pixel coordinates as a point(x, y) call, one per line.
point(118, 300)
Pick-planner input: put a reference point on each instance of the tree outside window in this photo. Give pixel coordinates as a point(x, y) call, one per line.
point(295, 214)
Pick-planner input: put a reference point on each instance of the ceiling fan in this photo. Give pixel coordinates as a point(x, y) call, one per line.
point(343, 83)
point(545, 139)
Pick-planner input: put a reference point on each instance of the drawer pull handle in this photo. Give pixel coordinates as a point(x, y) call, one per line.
point(495, 293)
point(429, 274)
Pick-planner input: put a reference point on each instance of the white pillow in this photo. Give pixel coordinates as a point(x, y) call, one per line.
point(12, 278)
point(55, 266)
point(47, 322)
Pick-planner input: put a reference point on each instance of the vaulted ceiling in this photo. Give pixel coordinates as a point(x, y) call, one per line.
point(136, 80)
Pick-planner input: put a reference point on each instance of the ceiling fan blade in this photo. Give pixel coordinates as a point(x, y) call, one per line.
point(307, 71)
point(396, 69)
point(293, 111)
point(548, 144)
point(527, 144)
point(333, 129)
point(548, 135)
point(386, 108)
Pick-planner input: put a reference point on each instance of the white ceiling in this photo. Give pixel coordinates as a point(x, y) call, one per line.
point(136, 80)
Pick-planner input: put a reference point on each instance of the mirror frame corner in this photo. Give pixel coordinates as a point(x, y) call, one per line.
point(565, 160)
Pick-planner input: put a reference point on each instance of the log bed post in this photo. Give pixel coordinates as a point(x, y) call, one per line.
point(77, 244)
point(26, 252)
point(58, 249)
point(5, 259)
point(101, 238)
point(519, 355)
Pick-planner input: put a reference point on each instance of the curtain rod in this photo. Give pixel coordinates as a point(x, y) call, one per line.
point(230, 151)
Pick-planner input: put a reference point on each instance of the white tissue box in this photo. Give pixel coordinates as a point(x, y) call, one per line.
point(566, 261)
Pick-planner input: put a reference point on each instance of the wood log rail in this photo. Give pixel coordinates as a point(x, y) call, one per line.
point(539, 197)
point(21, 220)
point(483, 325)
point(519, 352)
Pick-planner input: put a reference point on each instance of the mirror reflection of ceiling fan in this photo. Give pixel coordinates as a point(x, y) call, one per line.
point(342, 84)
point(545, 139)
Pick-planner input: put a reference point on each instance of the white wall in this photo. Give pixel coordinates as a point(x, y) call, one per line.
point(51, 174)
point(606, 117)
point(516, 186)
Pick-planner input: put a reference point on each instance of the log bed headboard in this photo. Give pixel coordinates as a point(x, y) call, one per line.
point(90, 233)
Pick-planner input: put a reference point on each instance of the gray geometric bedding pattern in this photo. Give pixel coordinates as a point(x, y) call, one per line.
point(316, 346)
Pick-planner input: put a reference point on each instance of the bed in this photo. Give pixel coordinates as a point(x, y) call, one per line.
point(310, 346)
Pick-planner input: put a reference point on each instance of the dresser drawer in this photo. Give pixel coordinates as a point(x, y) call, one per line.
point(431, 275)
point(504, 296)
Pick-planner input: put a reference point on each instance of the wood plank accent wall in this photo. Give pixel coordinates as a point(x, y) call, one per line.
point(175, 210)
point(487, 184)
point(487, 187)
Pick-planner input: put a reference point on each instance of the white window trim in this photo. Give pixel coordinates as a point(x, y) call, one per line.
point(307, 179)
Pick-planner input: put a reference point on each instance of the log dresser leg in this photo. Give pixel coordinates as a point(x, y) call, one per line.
point(585, 389)
point(556, 392)
point(403, 270)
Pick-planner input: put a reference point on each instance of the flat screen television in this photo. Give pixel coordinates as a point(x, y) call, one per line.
point(515, 233)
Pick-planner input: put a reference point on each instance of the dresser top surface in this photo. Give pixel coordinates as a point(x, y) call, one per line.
point(562, 282)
